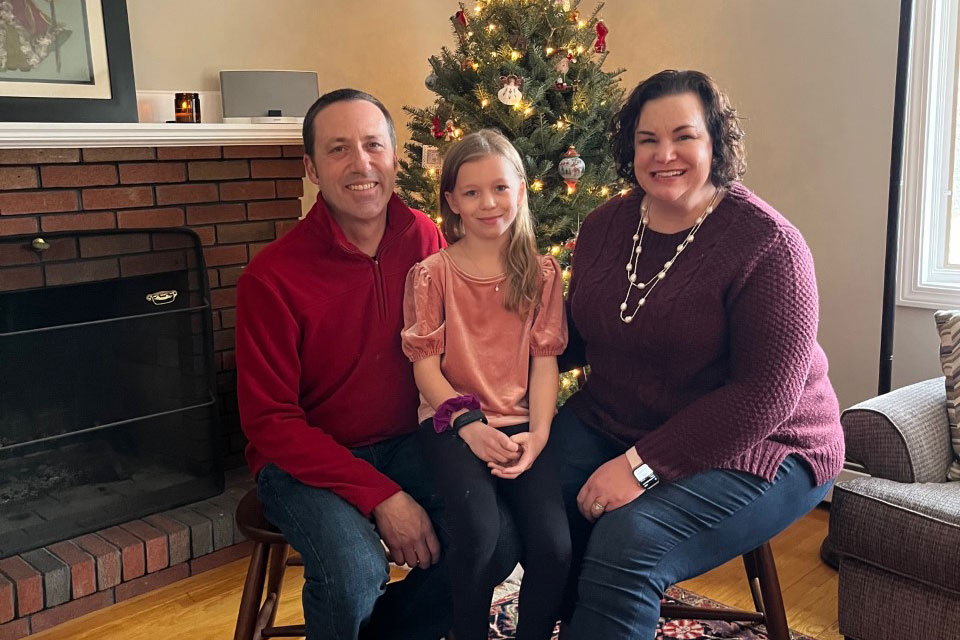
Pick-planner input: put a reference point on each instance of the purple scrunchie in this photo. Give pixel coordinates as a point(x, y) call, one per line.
point(441, 419)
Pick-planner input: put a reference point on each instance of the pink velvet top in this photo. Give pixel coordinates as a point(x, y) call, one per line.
point(484, 348)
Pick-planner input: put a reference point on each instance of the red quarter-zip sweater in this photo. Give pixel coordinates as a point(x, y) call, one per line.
point(319, 363)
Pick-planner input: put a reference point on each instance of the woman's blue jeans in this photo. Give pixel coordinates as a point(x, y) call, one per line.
point(674, 531)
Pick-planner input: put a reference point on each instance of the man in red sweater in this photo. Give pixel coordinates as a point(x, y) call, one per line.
point(327, 398)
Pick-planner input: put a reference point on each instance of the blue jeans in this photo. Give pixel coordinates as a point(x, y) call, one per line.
point(345, 593)
point(673, 532)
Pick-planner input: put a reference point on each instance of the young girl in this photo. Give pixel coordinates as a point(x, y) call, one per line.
point(484, 323)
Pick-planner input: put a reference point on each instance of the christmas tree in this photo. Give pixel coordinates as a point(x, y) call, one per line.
point(532, 69)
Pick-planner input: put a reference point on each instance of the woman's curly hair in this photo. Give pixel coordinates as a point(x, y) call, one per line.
point(723, 124)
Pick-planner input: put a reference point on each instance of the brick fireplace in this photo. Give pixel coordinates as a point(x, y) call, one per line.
point(238, 197)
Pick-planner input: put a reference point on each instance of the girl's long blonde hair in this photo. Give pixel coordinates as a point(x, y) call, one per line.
point(520, 255)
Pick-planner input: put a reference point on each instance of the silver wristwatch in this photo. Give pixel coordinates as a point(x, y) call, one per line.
point(642, 473)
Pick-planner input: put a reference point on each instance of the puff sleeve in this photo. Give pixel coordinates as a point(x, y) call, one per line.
point(423, 318)
point(548, 336)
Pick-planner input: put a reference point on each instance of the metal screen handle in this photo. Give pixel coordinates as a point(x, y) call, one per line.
point(162, 297)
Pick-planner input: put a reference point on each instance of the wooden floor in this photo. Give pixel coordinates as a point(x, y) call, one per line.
point(204, 607)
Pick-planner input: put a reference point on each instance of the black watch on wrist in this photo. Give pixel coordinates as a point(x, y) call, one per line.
point(642, 473)
point(466, 418)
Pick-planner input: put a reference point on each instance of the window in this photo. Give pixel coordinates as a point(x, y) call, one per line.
point(929, 266)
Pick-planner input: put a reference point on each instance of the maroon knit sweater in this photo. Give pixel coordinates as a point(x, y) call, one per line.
point(721, 367)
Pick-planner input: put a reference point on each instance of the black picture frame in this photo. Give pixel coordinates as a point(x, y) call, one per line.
point(121, 107)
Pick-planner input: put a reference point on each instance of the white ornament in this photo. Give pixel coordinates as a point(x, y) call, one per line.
point(510, 93)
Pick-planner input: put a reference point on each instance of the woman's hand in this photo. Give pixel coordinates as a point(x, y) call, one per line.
point(489, 443)
point(611, 486)
point(531, 444)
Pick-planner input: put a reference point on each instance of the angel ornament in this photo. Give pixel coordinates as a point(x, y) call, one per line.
point(562, 66)
point(510, 94)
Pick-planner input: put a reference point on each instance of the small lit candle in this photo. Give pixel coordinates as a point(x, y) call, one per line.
point(187, 107)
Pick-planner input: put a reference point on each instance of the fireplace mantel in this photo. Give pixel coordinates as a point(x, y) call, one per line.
point(53, 135)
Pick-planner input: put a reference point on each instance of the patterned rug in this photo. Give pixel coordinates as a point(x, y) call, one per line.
point(503, 620)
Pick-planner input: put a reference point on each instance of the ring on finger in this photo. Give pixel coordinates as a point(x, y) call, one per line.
point(597, 508)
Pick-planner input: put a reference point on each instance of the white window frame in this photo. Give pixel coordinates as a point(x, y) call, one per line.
point(924, 280)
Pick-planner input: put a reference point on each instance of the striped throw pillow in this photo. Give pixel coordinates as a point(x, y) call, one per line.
point(948, 325)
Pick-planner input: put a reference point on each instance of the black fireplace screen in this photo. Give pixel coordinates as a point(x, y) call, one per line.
point(107, 391)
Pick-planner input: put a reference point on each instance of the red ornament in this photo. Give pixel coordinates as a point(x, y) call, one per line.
point(461, 17)
point(437, 130)
point(600, 46)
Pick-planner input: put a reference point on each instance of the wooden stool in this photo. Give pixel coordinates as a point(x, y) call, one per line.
point(765, 588)
point(267, 563)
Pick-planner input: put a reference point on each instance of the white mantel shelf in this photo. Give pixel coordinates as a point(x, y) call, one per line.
point(46, 135)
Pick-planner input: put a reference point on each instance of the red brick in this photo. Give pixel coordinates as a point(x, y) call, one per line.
point(215, 256)
point(154, 542)
point(220, 298)
point(27, 582)
point(15, 278)
point(7, 602)
point(290, 168)
point(187, 153)
point(289, 188)
point(60, 249)
point(15, 630)
point(249, 190)
point(221, 557)
point(208, 236)
point(37, 202)
point(83, 569)
point(228, 318)
point(213, 278)
point(222, 170)
point(38, 156)
point(178, 537)
point(50, 618)
point(107, 559)
point(144, 218)
point(229, 276)
point(249, 232)
point(152, 172)
point(18, 178)
point(293, 151)
point(282, 227)
point(131, 551)
point(86, 271)
point(152, 581)
point(273, 209)
point(153, 263)
point(256, 248)
point(229, 361)
point(82, 175)
point(112, 245)
point(181, 193)
point(17, 254)
point(16, 226)
point(117, 198)
point(223, 340)
point(79, 221)
point(252, 151)
point(206, 214)
point(215, 320)
point(118, 154)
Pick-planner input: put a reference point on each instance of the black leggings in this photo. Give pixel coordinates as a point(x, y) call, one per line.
point(470, 495)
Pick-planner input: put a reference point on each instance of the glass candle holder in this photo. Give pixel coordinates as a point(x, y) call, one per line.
point(186, 107)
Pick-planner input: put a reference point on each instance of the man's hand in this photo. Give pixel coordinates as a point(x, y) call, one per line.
point(489, 443)
point(407, 531)
point(611, 486)
point(531, 444)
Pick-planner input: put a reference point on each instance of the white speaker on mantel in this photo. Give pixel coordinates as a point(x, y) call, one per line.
point(267, 97)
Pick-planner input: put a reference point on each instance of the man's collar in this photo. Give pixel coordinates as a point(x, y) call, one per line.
point(399, 218)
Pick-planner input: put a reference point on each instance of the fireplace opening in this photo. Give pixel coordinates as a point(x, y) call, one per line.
point(108, 408)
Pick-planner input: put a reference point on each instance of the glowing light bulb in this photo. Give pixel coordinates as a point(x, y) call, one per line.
point(605, 191)
point(477, 9)
point(475, 65)
point(555, 249)
point(515, 55)
point(571, 190)
point(439, 220)
point(432, 171)
point(549, 51)
point(484, 103)
point(624, 192)
point(528, 111)
point(536, 185)
point(491, 27)
point(579, 49)
point(581, 24)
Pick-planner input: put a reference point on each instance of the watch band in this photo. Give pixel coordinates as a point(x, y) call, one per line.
point(642, 473)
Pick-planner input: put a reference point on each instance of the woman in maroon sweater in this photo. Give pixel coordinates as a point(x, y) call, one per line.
point(708, 423)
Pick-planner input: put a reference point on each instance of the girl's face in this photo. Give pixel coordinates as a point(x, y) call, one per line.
point(487, 195)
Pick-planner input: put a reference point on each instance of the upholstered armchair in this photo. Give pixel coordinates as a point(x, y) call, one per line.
point(897, 533)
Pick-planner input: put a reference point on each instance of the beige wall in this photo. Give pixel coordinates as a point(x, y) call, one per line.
point(813, 79)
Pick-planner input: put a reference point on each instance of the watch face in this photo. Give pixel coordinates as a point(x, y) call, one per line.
point(645, 476)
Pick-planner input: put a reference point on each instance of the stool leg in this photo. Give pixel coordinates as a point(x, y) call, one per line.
point(750, 563)
point(278, 564)
point(252, 593)
point(775, 614)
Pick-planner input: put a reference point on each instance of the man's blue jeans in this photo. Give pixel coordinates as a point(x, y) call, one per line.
point(673, 532)
point(345, 594)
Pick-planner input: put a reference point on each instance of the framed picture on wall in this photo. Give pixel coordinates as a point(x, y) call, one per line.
point(66, 61)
